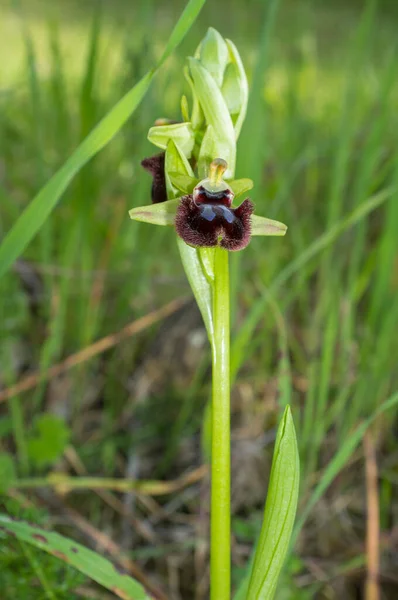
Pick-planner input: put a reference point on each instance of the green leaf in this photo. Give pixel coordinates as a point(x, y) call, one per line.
point(86, 561)
point(206, 256)
point(7, 471)
point(181, 134)
point(199, 283)
point(162, 213)
point(263, 226)
point(279, 514)
point(49, 440)
point(44, 202)
point(216, 114)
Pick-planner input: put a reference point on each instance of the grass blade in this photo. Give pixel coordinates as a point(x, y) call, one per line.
point(84, 560)
point(41, 206)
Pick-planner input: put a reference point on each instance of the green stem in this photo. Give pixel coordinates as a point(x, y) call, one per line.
point(220, 553)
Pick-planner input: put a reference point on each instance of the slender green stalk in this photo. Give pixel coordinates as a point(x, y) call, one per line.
point(220, 566)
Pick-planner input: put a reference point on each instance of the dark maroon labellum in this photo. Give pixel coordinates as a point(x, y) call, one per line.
point(207, 219)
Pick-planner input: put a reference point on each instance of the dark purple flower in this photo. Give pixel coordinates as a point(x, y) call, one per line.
point(155, 166)
point(206, 218)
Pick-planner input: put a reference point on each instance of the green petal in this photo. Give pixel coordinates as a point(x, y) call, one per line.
point(240, 186)
point(184, 183)
point(181, 134)
point(157, 214)
point(263, 226)
point(175, 162)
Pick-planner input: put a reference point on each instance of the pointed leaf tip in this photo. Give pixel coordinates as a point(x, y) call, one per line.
point(279, 514)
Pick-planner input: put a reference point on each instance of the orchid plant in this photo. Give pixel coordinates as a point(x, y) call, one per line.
point(194, 191)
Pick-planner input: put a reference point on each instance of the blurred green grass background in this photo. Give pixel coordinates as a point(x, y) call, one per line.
point(316, 313)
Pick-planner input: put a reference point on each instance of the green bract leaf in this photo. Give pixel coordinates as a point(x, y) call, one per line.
point(197, 116)
point(231, 90)
point(181, 134)
point(240, 186)
point(216, 114)
point(199, 283)
point(206, 256)
point(41, 206)
point(243, 86)
point(263, 226)
point(162, 213)
point(86, 561)
point(279, 514)
point(214, 55)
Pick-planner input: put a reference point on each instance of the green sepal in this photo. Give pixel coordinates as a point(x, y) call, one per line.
point(162, 213)
point(263, 226)
point(181, 133)
point(216, 114)
point(279, 514)
point(240, 186)
point(214, 55)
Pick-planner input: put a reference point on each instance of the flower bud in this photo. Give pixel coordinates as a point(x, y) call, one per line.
point(235, 79)
point(214, 55)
